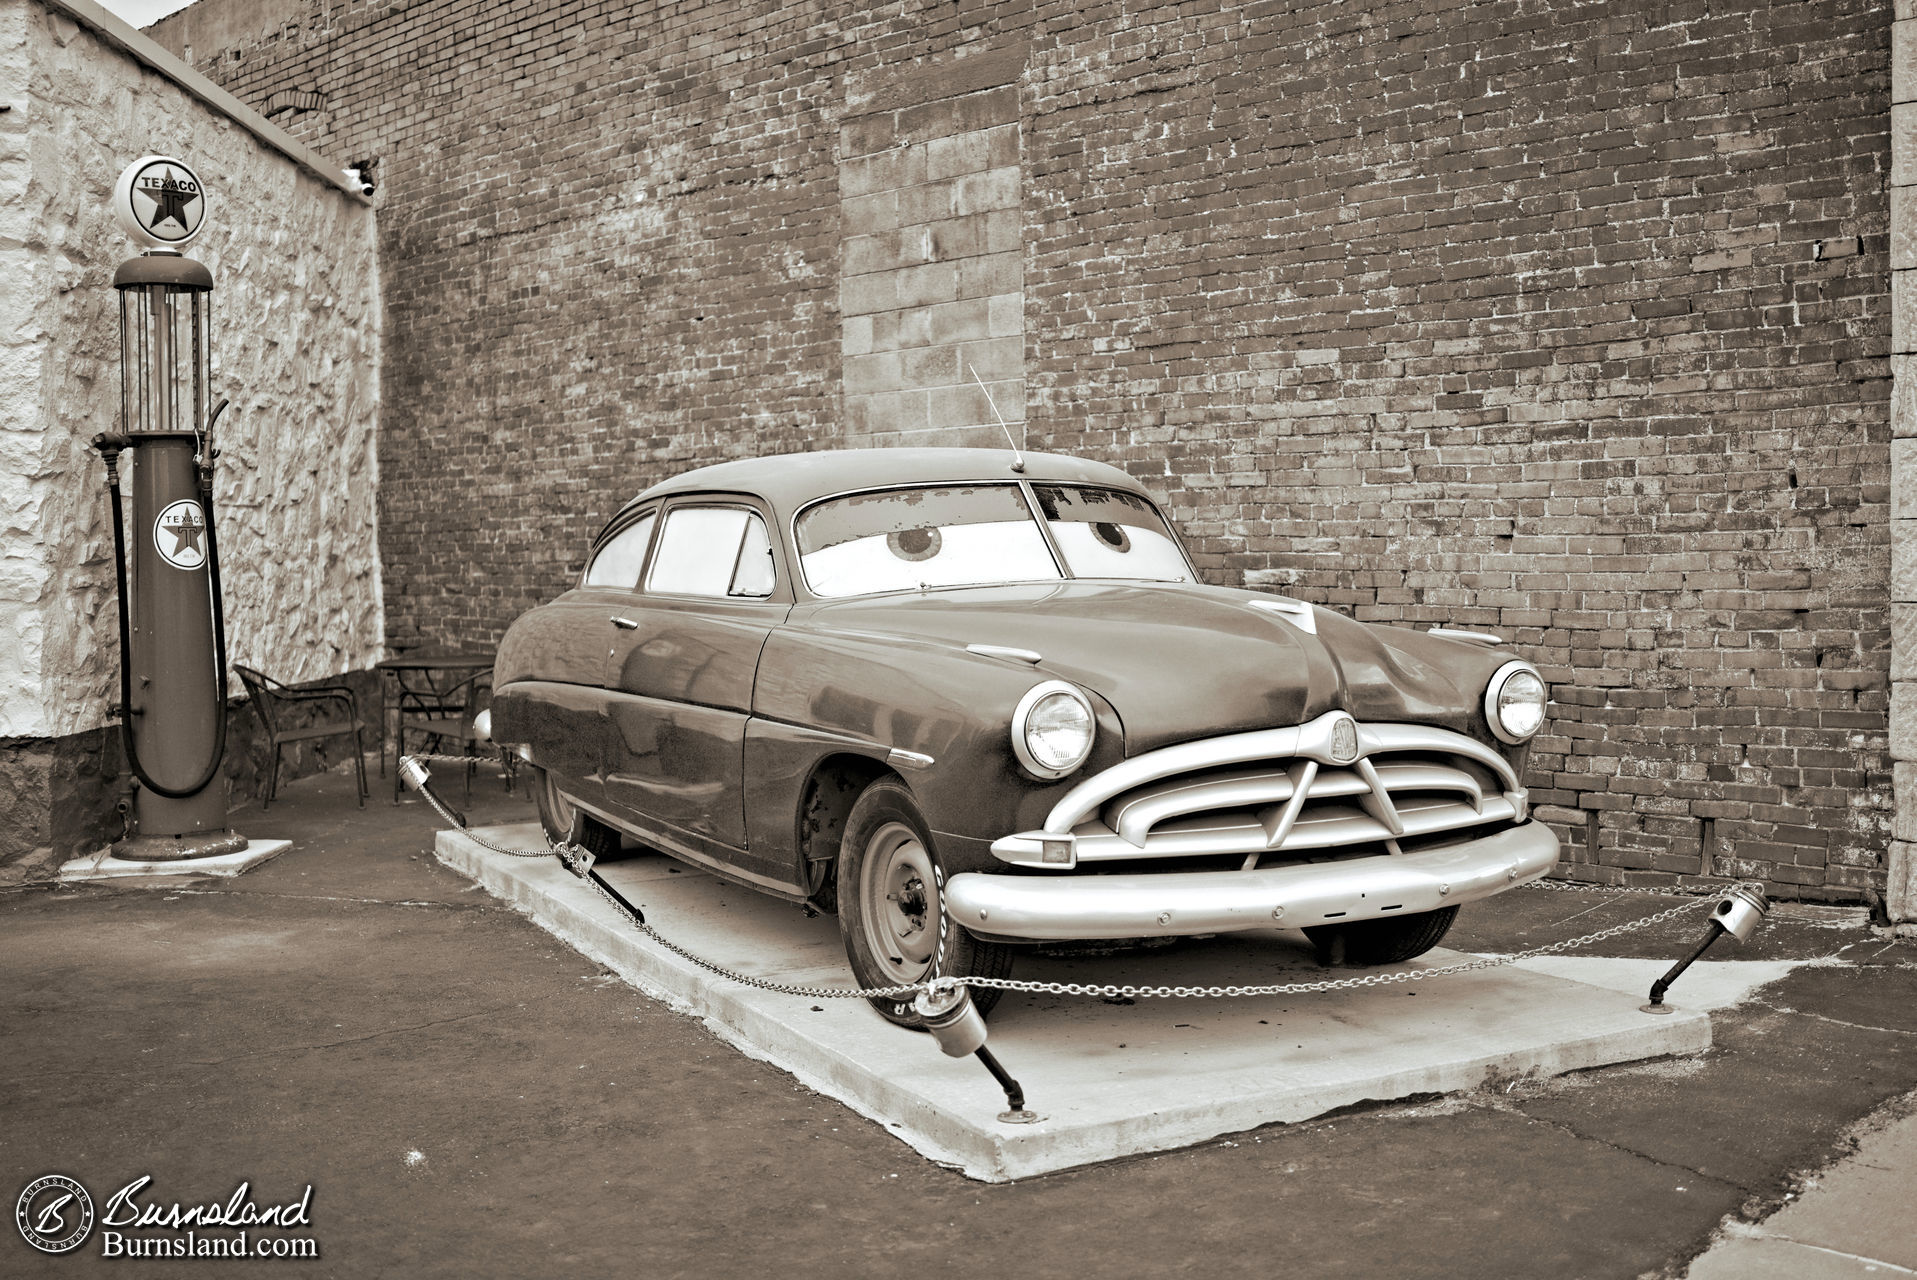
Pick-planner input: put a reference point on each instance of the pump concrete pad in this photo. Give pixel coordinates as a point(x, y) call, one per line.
point(104, 866)
point(1109, 1080)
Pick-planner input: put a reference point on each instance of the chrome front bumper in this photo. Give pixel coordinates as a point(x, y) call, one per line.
point(1068, 905)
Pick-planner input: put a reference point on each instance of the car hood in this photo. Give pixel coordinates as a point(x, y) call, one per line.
point(1178, 661)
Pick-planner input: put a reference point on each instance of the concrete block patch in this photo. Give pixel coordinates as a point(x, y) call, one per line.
point(1110, 1080)
point(104, 866)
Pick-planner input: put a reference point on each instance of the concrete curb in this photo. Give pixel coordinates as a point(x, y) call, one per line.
point(1304, 1056)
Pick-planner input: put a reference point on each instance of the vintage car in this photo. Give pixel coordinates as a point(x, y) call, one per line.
point(970, 700)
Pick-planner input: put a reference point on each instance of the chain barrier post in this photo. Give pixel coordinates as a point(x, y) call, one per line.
point(1737, 913)
point(959, 1028)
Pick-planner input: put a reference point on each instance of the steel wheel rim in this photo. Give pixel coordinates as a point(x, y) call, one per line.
point(898, 889)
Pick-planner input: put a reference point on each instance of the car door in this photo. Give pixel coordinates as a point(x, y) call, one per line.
point(680, 673)
point(567, 643)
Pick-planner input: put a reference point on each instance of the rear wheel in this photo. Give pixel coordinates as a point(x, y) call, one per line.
point(557, 814)
point(892, 906)
point(1389, 940)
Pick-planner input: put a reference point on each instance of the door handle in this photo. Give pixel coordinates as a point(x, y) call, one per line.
point(626, 624)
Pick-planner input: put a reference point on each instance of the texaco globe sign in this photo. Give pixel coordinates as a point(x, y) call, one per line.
point(160, 202)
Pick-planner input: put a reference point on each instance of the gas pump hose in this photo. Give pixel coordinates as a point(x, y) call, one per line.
point(110, 446)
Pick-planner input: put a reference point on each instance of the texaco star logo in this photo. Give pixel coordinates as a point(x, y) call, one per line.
point(167, 202)
point(54, 1213)
point(179, 535)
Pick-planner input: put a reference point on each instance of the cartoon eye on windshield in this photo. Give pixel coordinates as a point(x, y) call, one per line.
point(1113, 536)
point(914, 544)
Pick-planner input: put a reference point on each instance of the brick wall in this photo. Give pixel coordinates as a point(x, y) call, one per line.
point(1568, 319)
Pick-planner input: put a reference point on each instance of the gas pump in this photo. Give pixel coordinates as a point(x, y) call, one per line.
point(173, 682)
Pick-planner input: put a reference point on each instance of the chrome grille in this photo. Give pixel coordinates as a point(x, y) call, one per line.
point(1280, 793)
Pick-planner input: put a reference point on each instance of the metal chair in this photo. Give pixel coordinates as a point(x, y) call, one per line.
point(271, 699)
point(445, 714)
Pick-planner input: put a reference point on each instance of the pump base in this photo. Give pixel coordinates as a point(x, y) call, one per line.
point(208, 844)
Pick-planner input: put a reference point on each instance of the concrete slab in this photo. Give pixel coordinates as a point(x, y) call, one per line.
point(104, 866)
point(1862, 1206)
point(1767, 1259)
point(1854, 1219)
point(1110, 1081)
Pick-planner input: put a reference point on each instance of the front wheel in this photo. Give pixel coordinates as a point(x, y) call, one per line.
point(1387, 940)
point(892, 912)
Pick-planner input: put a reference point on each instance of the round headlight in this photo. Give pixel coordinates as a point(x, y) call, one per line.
point(1514, 702)
point(1052, 729)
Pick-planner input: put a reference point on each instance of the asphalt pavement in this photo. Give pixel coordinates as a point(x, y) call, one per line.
point(466, 1096)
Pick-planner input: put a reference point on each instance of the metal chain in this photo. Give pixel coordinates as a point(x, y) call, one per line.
point(1660, 891)
point(570, 855)
point(1333, 984)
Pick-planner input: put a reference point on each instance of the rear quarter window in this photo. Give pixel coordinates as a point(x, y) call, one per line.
point(619, 561)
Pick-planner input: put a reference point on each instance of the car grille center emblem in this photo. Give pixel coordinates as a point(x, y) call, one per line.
point(1344, 740)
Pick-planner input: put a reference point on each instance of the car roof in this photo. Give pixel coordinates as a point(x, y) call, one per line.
point(790, 480)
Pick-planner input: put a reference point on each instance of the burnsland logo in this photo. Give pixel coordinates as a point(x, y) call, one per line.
point(55, 1215)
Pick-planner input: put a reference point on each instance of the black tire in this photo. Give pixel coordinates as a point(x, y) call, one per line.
point(1389, 940)
point(556, 814)
point(892, 909)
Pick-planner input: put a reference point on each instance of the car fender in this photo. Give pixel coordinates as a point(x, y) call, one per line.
point(937, 715)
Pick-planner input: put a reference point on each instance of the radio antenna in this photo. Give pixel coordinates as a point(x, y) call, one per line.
point(1018, 455)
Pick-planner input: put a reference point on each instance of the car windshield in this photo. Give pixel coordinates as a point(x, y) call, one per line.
point(971, 535)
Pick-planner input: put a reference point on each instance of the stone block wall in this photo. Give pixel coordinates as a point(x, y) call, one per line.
point(1566, 319)
point(932, 266)
point(1901, 890)
point(296, 323)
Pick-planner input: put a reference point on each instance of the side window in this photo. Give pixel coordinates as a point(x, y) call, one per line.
point(713, 551)
point(619, 561)
point(752, 577)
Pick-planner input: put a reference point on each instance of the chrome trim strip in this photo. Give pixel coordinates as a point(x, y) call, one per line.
point(1461, 634)
point(1277, 826)
point(1377, 801)
point(909, 759)
point(676, 847)
point(1431, 777)
point(1325, 827)
point(1318, 827)
point(1005, 651)
point(1088, 796)
point(1373, 738)
point(1134, 818)
point(1056, 908)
